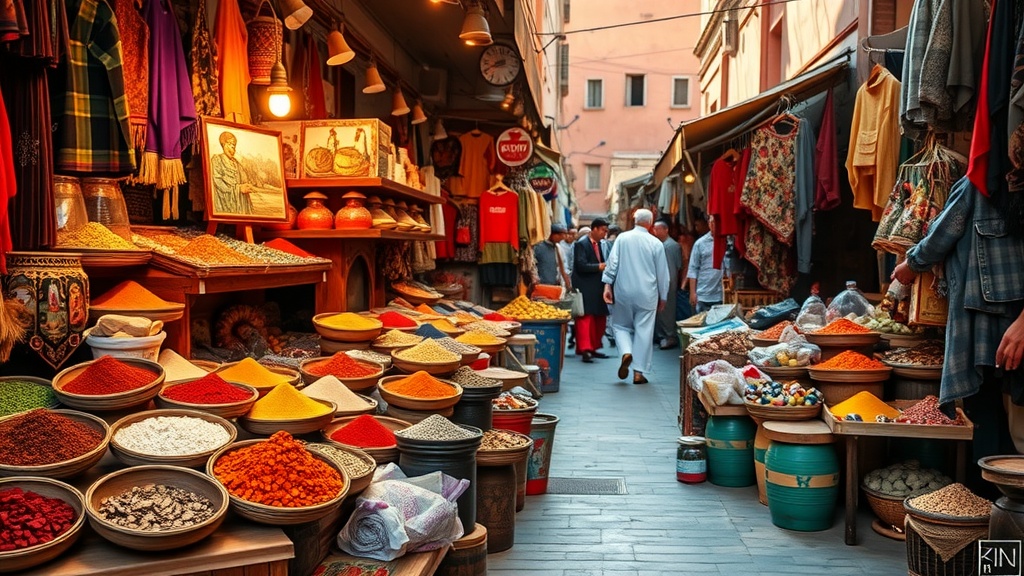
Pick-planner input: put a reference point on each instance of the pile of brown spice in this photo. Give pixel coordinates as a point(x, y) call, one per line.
point(206, 248)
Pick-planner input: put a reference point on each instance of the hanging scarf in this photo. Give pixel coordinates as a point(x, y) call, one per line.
point(8, 185)
point(206, 92)
point(231, 40)
point(135, 50)
point(308, 80)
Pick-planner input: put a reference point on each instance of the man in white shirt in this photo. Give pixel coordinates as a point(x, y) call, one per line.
point(705, 280)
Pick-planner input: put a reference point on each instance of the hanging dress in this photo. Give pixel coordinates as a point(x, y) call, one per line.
point(231, 40)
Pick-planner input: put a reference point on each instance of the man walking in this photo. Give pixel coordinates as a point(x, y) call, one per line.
point(705, 280)
point(636, 281)
point(665, 330)
point(550, 265)
point(588, 264)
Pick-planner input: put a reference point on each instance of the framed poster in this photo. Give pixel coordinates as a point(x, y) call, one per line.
point(346, 148)
point(243, 169)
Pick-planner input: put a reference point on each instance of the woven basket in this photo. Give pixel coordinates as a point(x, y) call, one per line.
point(922, 560)
point(889, 509)
point(264, 43)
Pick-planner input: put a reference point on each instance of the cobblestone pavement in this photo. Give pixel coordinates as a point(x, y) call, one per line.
point(610, 428)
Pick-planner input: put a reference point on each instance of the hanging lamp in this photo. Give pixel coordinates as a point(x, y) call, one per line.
point(278, 101)
point(398, 105)
point(475, 29)
point(439, 131)
point(296, 13)
point(418, 116)
point(374, 84)
point(338, 50)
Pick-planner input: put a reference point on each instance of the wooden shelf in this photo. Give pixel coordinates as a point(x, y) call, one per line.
point(389, 187)
point(370, 233)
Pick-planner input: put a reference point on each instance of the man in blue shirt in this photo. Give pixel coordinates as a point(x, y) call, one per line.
point(705, 280)
point(550, 266)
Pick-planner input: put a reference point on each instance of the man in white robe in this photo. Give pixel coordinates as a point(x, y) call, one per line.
point(636, 281)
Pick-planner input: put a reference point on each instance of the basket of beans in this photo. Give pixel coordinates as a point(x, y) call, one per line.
point(211, 394)
point(357, 463)
point(51, 443)
point(108, 384)
point(419, 391)
point(53, 515)
point(347, 327)
point(21, 393)
point(428, 356)
point(357, 375)
point(172, 437)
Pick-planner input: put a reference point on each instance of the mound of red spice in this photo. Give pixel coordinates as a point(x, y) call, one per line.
point(495, 317)
point(210, 389)
point(41, 437)
point(341, 366)
point(108, 375)
point(392, 319)
point(842, 326)
point(28, 519)
point(364, 432)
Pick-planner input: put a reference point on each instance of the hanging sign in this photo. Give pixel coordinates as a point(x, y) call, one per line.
point(514, 147)
point(542, 179)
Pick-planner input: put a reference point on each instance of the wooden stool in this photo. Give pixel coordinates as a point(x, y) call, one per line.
point(801, 474)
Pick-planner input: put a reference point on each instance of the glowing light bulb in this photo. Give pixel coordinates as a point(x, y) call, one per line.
point(280, 104)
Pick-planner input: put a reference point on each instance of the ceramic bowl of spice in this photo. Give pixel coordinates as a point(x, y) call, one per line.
point(374, 435)
point(348, 402)
point(347, 326)
point(58, 510)
point(107, 384)
point(328, 346)
point(173, 437)
point(419, 391)
point(485, 341)
point(358, 375)
point(262, 378)
point(285, 408)
point(849, 366)
point(311, 485)
point(51, 443)
point(427, 356)
point(153, 508)
point(21, 393)
point(393, 320)
point(211, 394)
point(395, 340)
point(358, 464)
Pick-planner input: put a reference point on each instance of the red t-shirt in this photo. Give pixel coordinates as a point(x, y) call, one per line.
point(499, 218)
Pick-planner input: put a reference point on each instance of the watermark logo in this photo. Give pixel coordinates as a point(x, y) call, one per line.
point(999, 557)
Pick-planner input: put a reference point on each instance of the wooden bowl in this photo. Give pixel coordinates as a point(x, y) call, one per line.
point(851, 340)
point(788, 413)
point(381, 455)
point(785, 372)
point(31, 380)
point(363, 383)
point(328, 347)
point(490, 348)
point(294, 378)
point(152, 541)
point(915, 371)
point(109, 402)
point(371, 408)
point(195, 460)
point(433, 368)
point(414, 403)
point(229, 410)
point(25, 558)
point(510, 326)
point(75, 466)
point(278, 515)
point(295, 427)
point(1006, 472)
point(356, 483)
point(340, 335)
point(824, 375)
point(902, 340)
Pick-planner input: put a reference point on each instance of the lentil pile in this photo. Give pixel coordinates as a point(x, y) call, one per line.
point(468, 378)
point(479, 338)
point(284, 402)
point(429, 331)
point(364, 431)
point(172, 436)
point(278, 472)
point(156, 508)
point(927, 412)
point(850, 360)
point(420, 385)
point(453, 345)
point(353, 465)
point(342, 366)
point(953, 500)
point(775, 332)
point(349, 321)
point(210, 389)
point(491, 328)
point(435, 427)
point(108, 375)
point(331, 389)
point(208, 249)
point(392, 319)
point(510, 401)
point(429, 352)
point(393, 338)
point(370, 356)
point(495, 439)
point(93, 235)
point(842, 326)
point(29, 519)
point(130, 295)
point(21, 395)
point(251, 372)
point(41, 437)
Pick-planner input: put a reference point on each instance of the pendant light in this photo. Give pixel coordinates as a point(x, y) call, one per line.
point(398, 105)
point(374, 84)
point(278, 101)
point(475, 29)
point(296, 13)
point(338, 50)
point(509, 99)
point(418, 117)
point(439, 131)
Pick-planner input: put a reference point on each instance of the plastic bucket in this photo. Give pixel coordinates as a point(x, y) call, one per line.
point(515, 420)
point(543, 434)
point(550, 351)
point(730, 441)
point(496, 505)
point(474, 408)
point(456, 458)
point(802, 484)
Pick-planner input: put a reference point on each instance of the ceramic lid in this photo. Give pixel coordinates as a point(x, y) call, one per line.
point(354, 194)
point(315, 196)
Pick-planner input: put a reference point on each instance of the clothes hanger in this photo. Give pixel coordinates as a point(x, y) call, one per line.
point(499, 186)
point(731, 155)
point(476, 129)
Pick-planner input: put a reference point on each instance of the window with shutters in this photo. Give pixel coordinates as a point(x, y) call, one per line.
point(595, 93)
point(636, 89)
point(680, 92)
point(563, 68)
point(593, 177)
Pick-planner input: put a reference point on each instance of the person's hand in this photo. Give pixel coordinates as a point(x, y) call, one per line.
point(608, 297)
point(245, 188)
point(903, 273)
point(693, 299)
point(661, 305)
point(1011, 347)
point(600, 267)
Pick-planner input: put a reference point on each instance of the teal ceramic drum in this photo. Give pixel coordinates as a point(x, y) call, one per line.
point(802, 483)
point(730, 442)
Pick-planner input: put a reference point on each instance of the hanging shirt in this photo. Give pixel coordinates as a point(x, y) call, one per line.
point(805, 184)
point(826, 160)
point(307, 80)
point(499, 218)
point(724, 187)
point(874, 142)
point(446, 247)
point(768, 192)
point(477, 163)
point(231, 41)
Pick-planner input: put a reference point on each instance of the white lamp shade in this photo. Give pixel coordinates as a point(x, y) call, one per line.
point(439, 131)
point(398, 105)
point(475, 29)
point(374, 83)
point(296, 13)
point(418, 117)
point(338, 50)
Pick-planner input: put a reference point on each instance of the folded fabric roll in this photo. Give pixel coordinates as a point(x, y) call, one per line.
point(375, 530)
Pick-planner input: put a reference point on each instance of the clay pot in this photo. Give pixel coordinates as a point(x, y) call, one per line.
point(353, 216)
point(315, 216)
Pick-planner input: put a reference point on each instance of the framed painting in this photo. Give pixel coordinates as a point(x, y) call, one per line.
point(354, 148)
point(243, 169)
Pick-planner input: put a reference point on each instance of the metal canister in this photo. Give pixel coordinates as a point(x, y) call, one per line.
point(691, 460)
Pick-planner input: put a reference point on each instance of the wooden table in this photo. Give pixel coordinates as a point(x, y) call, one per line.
point(415, 564)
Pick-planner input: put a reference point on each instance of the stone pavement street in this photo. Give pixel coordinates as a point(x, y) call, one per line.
point(614, 429)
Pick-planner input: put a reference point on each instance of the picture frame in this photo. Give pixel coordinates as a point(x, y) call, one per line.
point(352, 148)
point(243, 172)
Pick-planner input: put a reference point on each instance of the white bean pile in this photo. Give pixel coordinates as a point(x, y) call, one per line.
point(435, 427)
point(172, 436)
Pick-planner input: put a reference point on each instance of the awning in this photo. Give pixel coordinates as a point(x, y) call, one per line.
point(714, 129)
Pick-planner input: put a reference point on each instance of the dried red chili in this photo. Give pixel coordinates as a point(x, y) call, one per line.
point(364, 432)
point(341, 365)
point(108, 375)
point(42, 437)
point(210, 389)
point(28, 519)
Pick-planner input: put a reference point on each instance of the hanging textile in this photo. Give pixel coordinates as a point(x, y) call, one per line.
point(772, 259)
point(231, 41)
point(873, 154)
point(724, 188)
point(478, 162)
point(8, 186)
point(205, 94)
point(307, 79)
point(446, 155)
point(449, 212)
point(90, 109)
point(13, 24)
point(469, 218)
point(135, 50)
point(826, 160)
point(1015, 176)
point(499, 218)
point(805, 185)
point(769, 190)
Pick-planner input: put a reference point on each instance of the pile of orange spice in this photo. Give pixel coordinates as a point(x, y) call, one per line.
point(278, 472)
point(842, 326)
point(775, 332)
point(420, 385)
point(850, 360)
point(130, 295)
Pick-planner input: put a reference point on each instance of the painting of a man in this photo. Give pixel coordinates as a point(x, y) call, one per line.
point(231, 187)
point(243, 167)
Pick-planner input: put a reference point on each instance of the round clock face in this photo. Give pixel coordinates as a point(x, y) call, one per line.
point(500, 64)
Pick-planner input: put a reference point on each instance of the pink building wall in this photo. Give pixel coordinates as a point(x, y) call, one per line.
point(659, 50)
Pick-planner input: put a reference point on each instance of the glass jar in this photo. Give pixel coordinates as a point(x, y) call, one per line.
point(105, 204)
point(691, 460)
point(69, 203)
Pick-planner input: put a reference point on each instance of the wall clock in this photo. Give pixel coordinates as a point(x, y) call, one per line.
point(500, 64)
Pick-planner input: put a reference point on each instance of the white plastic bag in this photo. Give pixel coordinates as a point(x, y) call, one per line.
point(812, 314)
point(723, 382)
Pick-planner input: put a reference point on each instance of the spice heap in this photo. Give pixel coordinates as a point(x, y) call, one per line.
point(210, 389)
point(364, 432)
point(452, 345)
point(850, 360)
point(287, 247)
point(428, 352)
point(522, 308)
point(905, 479)
point(349, 321)
point(371, 356)
point(429, 331)
point(331, 389)
point(410, 289)
point(393, 338)
point(208, 249)
point(21, 395)
point(479, 338)
point(927, 412)
point(354, 465)
point(132, 296)
point(510, 401)
point(251, 372)
point(775, 332)
point(284, 402)
point(842, 326)
point(953, 500)
point(930, 353)
point(392, 319)
point(156, 508)
point(178, 368)
point(421, 385)
point(278, 472)
point(866, 407)
point(93, 235)
point(468, 378)
point(503, 440)
point(494, 316)
point(28, 519)
point(172, 436)
point(461, 317)
point(445, 326)
point(342, 366)
point(41, 437)
point(727, 342)
point(435, 427)
point(424, 309)
point(108, 375)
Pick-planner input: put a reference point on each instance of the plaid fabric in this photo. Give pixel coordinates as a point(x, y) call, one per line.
point(91, 112)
